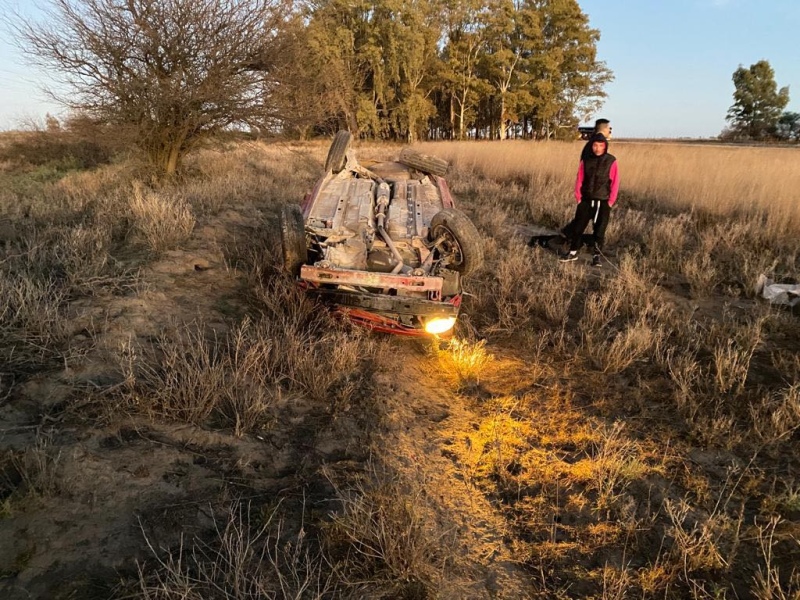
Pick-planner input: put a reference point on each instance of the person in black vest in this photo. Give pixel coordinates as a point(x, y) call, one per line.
point(596, 190)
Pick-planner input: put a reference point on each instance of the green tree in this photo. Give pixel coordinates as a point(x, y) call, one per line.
point(417, 30)
point(789, 126)
point(336, 64)
point(757, 101)
point(568, 77)
point(513, 36)
point(465, 44)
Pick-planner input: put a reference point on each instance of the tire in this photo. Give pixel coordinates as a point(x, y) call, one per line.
point(337, 155)
point(461, 246)
point(423, 162)
point(293, 239)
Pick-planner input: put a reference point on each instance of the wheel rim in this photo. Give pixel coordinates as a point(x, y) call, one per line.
point(448, 247)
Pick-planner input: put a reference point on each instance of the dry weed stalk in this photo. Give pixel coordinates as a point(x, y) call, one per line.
point(617, 582)
point(733, 352)
point(777, 416)
point(38, 469)
point(163, 222)
point(701, 543)
point(768, 583)
point(250, 557)
point(462, 361)
point(384, 542)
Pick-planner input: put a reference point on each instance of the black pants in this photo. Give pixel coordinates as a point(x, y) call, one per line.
point(596, 211)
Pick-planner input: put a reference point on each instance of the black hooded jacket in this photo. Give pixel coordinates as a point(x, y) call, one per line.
point(595, 176)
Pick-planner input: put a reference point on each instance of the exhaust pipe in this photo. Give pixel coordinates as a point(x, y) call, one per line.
point(382, 203)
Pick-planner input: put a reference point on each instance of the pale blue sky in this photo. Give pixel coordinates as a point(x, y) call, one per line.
point(672, 60)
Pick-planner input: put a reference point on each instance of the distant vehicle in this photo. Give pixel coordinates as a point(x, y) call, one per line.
point(385, 245)
point(586, 131)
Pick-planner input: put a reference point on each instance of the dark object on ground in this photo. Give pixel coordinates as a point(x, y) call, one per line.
point(558, 243)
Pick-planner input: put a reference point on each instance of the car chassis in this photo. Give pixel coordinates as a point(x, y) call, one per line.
point(384, 245)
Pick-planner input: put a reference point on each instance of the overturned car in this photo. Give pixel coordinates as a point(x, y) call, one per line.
point(382, 242)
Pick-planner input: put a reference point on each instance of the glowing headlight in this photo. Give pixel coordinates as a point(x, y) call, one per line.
point(440, 325)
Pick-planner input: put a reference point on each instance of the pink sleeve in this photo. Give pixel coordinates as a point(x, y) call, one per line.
point(613, 174)
point(579, 183)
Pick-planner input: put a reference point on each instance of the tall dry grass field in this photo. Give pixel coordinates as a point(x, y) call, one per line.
point(662, 176)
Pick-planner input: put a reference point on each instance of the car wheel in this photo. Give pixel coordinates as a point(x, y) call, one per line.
point(456, 240)
point(293, 239)
point(337, 155)
point(423, 162)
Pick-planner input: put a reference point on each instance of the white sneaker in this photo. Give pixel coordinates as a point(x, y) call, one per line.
point(569, 257)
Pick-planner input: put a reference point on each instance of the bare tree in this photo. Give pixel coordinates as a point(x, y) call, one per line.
point(168, 72)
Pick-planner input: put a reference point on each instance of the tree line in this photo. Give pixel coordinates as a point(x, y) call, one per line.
point(170, 73)
point(452, 69)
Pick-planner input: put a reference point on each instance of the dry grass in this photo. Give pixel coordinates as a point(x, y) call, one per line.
point(249, 556)
point(192, 374)
point(162, 222)
point(462, 361)
point(661, 177)
point(385, 542)
point(648, 340)
point(633, 428)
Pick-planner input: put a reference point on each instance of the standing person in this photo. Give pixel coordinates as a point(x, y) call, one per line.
point(596, 190)
point(600, 126)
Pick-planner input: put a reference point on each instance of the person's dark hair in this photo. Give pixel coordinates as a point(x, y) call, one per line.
point(601, 122)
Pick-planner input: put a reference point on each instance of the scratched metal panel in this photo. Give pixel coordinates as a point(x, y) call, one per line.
point(342, 204)
point(427, 203)
point(400, 224)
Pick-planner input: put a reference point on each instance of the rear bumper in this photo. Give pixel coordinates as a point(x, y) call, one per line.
point(404, 306)
point(432, 286)
point(392, 305)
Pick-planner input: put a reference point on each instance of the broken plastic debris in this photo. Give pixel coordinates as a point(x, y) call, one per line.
point(787, 294)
